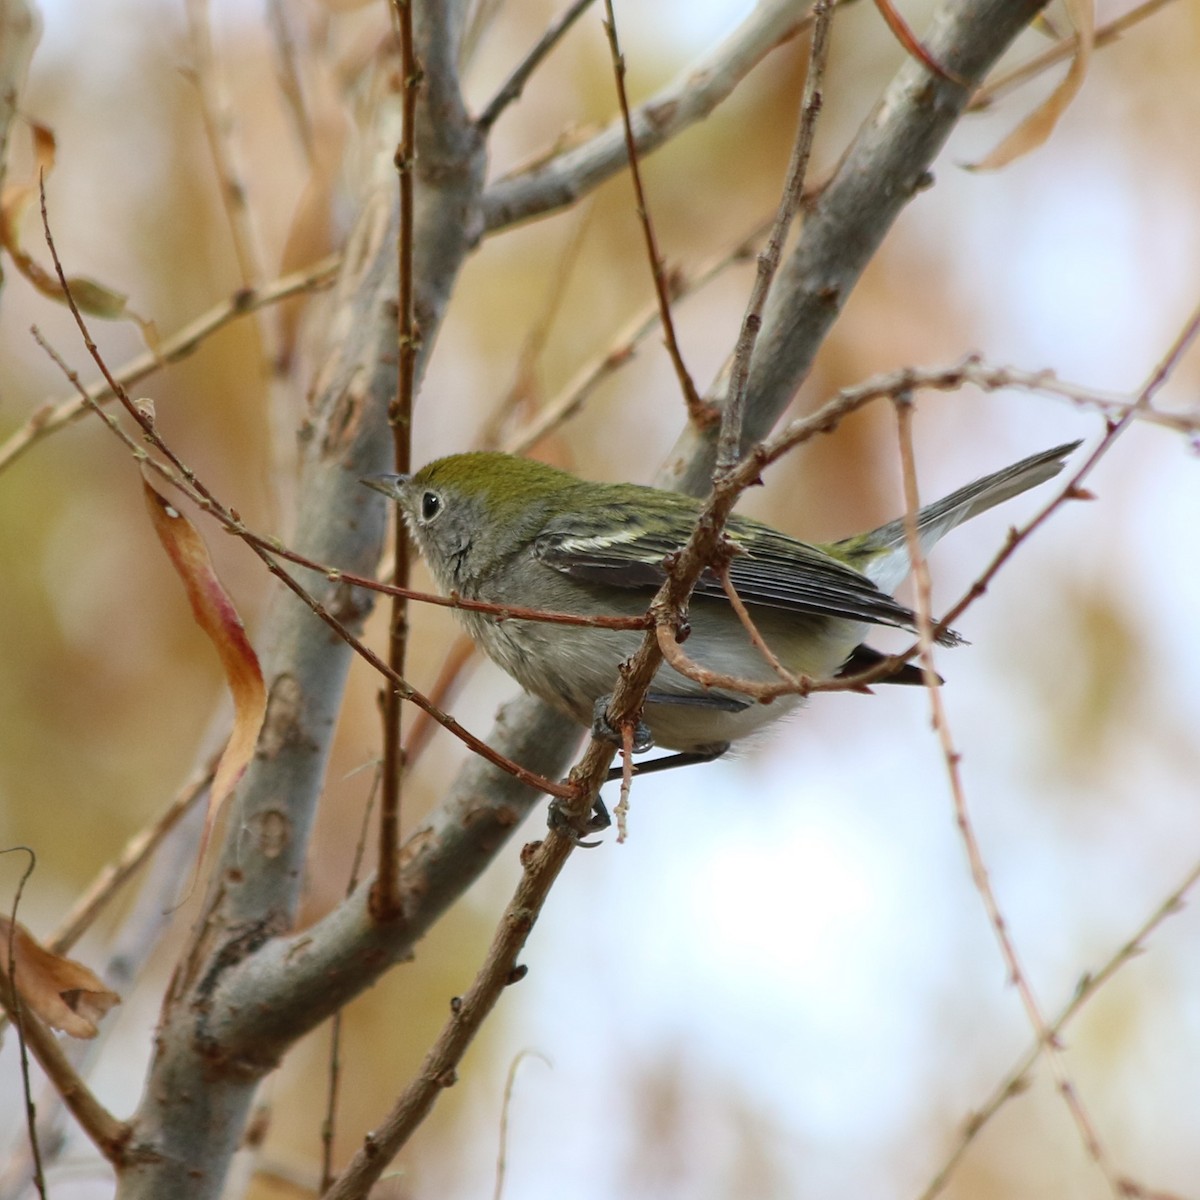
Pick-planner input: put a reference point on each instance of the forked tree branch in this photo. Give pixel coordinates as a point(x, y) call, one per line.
point(885, 167)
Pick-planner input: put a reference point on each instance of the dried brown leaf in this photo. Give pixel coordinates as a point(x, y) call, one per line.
point(1038, 126)
point(95, 299)
point(216, 614)
point(62, 992)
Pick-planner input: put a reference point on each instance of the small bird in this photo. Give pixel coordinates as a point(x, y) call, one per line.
point(512, 531)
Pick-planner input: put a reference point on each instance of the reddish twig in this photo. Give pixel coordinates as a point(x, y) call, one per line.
point(450, 676)
point(953, 760)
point(743, 615)
point(912, 44)
point(729, 447)
point(700, 413)
point(10, 997)
point(385, 897)
point(1015, 1078)
point(625, 345)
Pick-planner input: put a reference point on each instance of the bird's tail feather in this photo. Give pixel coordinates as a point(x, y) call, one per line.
point(882, 554)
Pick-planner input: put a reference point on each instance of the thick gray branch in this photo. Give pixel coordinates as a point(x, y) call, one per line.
point(887, 164)
point(294, 983)
point(686, 100)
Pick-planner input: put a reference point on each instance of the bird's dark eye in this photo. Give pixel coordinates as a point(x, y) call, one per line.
point(431, 505)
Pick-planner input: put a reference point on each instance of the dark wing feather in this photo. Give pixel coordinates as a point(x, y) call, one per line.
point(781, 573)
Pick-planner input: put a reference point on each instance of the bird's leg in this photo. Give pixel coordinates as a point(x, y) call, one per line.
point(598, 819)
point(685, 758)
point(643, 740)
point(603, 728)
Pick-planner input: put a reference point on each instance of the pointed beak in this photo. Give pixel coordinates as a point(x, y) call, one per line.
point(390, 485)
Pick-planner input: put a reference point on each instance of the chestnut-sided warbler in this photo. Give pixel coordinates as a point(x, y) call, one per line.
point(512, 531)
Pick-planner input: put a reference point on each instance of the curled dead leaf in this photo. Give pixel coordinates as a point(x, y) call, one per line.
point(91, 297)
point(62, 992)
point(216, 614)
point(1037, 127)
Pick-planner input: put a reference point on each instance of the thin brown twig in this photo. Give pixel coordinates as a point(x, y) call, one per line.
point(743, 615)
point(952, 757)
point(911, 44)
point(217, 117)
point(1065, 49)
point(137, 851)
point(14, 1007)
point(1089, 984)
point(50, 417)
point(700, 413)
point(505, 1107)
point(514, 85)
point(624, 346)
point(1165, 367)
point(762, 693)
point(107, 1134)
point(729, 445)
point(385, 895)
point(450, 677)
point(524, 390)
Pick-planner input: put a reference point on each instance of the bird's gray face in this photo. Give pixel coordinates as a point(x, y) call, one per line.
point(443, 522)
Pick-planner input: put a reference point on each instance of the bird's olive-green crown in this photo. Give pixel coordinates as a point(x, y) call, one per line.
point(508, 486)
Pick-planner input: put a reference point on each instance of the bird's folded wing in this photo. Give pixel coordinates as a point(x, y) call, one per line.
point(781, 573)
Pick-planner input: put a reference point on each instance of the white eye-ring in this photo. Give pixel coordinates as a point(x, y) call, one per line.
point(431, 505)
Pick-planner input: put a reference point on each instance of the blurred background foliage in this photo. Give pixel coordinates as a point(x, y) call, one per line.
point(784, 984)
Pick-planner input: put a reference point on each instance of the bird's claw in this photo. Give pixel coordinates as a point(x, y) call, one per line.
point(575, 827)
point(602, 727)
